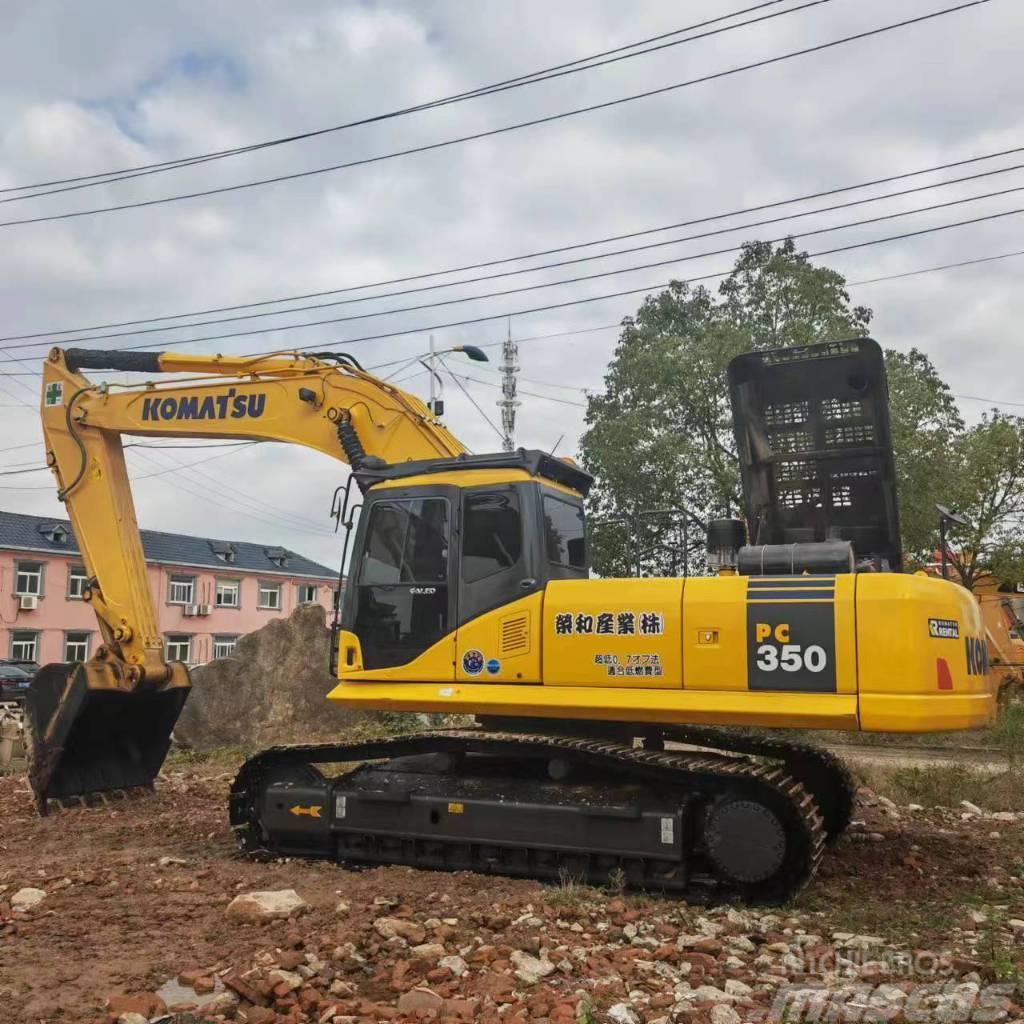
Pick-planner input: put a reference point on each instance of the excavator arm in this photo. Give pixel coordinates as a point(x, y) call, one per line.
point(106, 723)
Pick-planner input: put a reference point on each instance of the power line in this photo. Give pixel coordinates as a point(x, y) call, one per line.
point(533, 78)
point(944, 266)
point(597, 256)
point(35, 467)
point(532, 394)
point(234, 507)
point(49, 334)
point(533, 380)
point(19, 447)
point(425, 328)
point(278, 516)
point(246, 499)
point(497, 344)
point(597, 276)
point(490, 133)
point(144, 476)
point(273, 519)
point(218, 444)
point(993, 401)
point(473, 401)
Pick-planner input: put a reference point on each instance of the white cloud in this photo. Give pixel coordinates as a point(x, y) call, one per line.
point(86, 89)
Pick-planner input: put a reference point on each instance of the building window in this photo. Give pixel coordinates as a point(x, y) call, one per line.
point(270, 596)
point(307, 593)
point(181, 590)
point(77, 580)
point(336, 595)
point(228, 593)
point(179, 647)
point(76, 646)
point(224, 646)
point(24, 645)
point(223, 550)
point(28, 578)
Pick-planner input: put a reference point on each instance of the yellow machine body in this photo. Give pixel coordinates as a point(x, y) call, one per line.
point(879, 652)
point(873, 651)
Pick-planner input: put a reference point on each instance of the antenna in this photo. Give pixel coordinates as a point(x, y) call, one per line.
point(508, 403)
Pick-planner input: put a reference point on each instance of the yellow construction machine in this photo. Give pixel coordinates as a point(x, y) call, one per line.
point(606, 708)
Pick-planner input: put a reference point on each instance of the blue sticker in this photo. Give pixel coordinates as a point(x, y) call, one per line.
point(473, 662)
point(494, 666)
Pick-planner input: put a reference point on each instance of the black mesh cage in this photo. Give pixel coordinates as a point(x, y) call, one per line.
point(815, 447)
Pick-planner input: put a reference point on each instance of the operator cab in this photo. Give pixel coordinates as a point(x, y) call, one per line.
point(443, 541)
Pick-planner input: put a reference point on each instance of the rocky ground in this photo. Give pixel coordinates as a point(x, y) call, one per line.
point(141, 910)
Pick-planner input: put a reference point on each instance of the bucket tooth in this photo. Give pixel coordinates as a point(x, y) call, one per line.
point(88, 737)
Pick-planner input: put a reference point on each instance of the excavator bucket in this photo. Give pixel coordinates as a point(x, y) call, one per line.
point(86, 738)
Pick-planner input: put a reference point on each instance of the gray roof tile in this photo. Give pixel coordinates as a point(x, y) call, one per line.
point(39, 533)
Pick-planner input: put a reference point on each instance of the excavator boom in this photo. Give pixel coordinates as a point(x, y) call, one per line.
point(106, 723)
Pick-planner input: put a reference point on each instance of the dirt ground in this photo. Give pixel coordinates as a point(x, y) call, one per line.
point(136, 895)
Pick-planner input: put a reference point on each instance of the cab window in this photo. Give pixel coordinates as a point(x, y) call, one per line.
point(564, 532)
point(407, 542)
point(492, 538)
point(401, 596)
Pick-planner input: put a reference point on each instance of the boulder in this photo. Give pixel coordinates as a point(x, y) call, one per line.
point(530, 969)
point(27, 899)
point(392, 927)
point(428, 951)
point(272, 689)
point(623, 1013)
point(457, 965)
point(420, 1000)
point(251, 907)
point(722, 1014)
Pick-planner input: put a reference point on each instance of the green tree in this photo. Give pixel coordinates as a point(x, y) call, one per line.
point(775, 297)
point(657, 434)
point(661, 435)
point(925, 425)
point(987, 489)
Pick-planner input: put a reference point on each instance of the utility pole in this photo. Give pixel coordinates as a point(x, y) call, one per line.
point(508, 402)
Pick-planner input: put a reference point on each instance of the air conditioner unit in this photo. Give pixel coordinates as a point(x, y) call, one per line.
point(28, 602)
point(190, 609)
point(202, 609)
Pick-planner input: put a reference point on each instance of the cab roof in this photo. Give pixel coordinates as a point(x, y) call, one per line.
point(533, 461)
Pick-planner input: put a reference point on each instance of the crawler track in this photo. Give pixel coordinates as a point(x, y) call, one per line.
point(705, 826)
point(824, 775)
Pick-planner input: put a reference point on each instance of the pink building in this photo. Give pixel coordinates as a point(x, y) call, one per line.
point(207, 593)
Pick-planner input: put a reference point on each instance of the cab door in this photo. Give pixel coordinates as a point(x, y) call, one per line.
point(500, 593)
point(403, 599)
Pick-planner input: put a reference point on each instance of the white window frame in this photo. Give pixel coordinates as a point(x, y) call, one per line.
point(224, 641)
point(269, 586)
point(181, 580)
point(234, 586)
point(30, 653)
point(84, 644)
point(29, 574)
point(311, 587)
point(76, 576)
point(174, 641)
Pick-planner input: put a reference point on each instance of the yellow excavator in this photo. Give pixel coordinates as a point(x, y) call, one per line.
point(607, 709)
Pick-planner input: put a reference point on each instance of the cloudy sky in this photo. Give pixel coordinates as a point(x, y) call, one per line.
point(88, 88)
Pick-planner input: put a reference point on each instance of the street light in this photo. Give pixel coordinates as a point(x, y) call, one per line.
point(435, 403)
